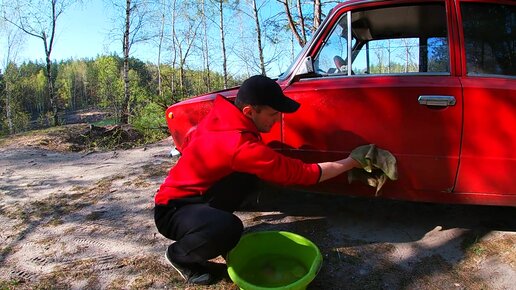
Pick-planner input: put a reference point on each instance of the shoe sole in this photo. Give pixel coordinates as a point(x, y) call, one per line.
point(194, 281)
point(171, 264)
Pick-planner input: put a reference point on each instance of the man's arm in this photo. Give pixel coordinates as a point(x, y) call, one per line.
point(334, 168)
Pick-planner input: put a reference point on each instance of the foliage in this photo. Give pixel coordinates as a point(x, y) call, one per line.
point(10, 91)
point(71, 84)
point(109, 82)
point(150, 121)
point(97, 83)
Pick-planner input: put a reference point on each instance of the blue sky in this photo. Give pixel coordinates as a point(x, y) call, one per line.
point(83, 32)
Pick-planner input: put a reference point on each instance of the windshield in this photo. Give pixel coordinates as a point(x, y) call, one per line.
point(284, 74)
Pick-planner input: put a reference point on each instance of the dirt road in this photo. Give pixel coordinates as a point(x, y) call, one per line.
point(84, 221)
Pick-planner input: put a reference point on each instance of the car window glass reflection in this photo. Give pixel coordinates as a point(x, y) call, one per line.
point(335, 45)
point(490, 38)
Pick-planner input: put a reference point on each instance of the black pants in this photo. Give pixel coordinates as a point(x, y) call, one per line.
point(205, 227)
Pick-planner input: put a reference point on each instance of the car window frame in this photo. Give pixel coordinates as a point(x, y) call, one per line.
point(297, 73)
point(348, 13)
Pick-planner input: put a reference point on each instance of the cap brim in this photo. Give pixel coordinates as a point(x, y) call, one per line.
point(285, 105)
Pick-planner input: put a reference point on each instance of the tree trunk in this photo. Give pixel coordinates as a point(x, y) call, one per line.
point(161, 35)
point(173, 82)
point(182, 77)
point(301, 20)
point(223, 45)
point(317, 14)
point(50, 80)
point(10, 77)
point(8, 111)
point(124, 118)
point(207, 78)
point(292, 25)
point(259, 38)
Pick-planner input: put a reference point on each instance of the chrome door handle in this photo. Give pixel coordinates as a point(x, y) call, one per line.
point(440, 101)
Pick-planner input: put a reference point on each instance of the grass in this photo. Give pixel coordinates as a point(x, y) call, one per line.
point(472, 244)
point(105, 122)
point(9, 284)
point(502, 246)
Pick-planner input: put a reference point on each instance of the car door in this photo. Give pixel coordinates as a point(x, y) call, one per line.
point(488, 160)
point(401, 94)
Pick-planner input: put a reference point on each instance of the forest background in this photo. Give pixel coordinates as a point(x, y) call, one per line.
point(199, 46)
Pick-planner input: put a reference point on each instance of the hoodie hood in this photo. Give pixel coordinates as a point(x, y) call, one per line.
point(225, 116)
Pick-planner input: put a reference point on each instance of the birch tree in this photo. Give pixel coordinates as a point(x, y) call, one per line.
point(13, 44)
point(205, 46)
point(223, 42)
point(39, 19)
point(161, 38)
point(135, 15)
point(317, 14)
point(184, 32)
point(258, 36)
point(250, 55)
point(298, 22)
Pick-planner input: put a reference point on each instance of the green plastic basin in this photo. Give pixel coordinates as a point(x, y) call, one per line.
point(273, 260)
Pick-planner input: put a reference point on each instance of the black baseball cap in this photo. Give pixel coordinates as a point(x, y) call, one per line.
point(261, 90)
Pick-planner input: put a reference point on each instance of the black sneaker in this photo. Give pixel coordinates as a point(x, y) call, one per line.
point(192, 273)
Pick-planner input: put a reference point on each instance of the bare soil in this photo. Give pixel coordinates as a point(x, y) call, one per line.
point(83, 220)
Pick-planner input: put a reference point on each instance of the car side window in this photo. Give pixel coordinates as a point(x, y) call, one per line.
point(389, 40)
point(490, 38)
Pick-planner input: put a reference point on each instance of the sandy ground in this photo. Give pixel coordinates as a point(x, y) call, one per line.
point(84, 221)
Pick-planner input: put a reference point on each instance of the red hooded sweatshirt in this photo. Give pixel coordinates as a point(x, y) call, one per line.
point(224, 142)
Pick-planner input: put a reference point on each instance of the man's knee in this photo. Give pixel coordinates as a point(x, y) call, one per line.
point(230, 233)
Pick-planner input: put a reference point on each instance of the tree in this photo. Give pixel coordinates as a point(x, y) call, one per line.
point(71, 84)
point(205, 46)
point(13, 43)
point(109, 83)
point(135, 13)
point(135, 17)
point(258, 36)
point(18, 119)
point(252, 56)
point(161, 37)
point(317, 14)
point(39, 19)
point(299, 32)
point(300, 24)
point(184, 33)
point(223, 42)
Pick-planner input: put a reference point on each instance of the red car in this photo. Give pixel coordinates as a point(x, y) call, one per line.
point(433, 82)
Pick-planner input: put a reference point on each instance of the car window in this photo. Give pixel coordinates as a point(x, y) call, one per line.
point(389, 40)
point(490, 38)
point(335, 46)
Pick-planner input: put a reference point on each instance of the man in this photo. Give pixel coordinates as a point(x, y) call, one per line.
point(222, 159)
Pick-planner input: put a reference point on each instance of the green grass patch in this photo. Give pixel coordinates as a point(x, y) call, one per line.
point(9, 284)
point(471, 243)
point(105, 122)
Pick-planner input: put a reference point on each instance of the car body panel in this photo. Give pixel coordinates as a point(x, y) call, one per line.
point(340, 114)
point(488, 158)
